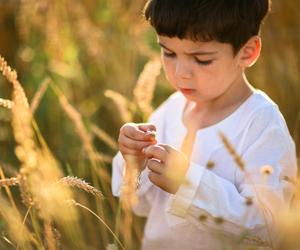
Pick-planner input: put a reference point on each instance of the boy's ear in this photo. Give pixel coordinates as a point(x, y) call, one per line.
point(250, 52)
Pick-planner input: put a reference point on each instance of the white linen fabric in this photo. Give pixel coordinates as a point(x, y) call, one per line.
point(211, 210)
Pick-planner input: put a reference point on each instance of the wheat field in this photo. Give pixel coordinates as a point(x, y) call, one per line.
point(71, 74)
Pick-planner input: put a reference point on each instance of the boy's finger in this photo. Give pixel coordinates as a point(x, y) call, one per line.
point(155, 151)
point(156, 179)
point(171, 150)
point(134, 133)
point(133, 144)
point(155, 166)
point(147, 127)
point(174, 154)
point(168, 148)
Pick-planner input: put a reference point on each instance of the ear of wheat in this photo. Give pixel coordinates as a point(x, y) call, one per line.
point(9, 182)
point(23, 132)
point(81, 184)
point(231, 150)
point(6, 103)
point(144, 90)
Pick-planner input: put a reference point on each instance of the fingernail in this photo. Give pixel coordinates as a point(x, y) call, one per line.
point(152, 133)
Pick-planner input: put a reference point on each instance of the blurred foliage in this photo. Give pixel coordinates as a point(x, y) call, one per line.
point(88, 47)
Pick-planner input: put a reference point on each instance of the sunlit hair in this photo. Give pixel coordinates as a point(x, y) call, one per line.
point(226, 21)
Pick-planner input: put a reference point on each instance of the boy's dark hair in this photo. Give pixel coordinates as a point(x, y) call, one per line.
point(226, 21)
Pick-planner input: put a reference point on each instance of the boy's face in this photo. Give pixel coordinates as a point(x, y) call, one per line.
point(202, 71)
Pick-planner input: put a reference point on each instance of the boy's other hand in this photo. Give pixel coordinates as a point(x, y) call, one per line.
point(133, 138)
point(168, 166)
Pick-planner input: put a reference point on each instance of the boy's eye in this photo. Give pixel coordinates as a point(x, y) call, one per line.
point(168, 54)
point(203, 62)
point(198, 61)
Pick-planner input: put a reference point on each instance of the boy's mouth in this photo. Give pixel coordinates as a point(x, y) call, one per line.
point(186, 91)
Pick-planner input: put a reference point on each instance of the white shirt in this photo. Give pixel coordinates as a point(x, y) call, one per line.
point(188, 219)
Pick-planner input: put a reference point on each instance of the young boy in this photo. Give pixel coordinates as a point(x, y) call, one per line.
point(214, 174)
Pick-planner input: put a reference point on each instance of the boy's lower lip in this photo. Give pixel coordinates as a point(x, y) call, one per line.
point(187, 91)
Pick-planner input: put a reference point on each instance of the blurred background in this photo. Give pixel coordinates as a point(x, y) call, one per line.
point(94, 53)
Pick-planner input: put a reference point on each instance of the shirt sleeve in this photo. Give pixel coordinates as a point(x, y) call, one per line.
point(146, 190)
point(252, 203)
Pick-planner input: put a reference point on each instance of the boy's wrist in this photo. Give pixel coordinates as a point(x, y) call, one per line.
point(135, 162)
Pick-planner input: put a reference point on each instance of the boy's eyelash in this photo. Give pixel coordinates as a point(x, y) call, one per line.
point(201, 62)
point(207, 62)
point(169, 54)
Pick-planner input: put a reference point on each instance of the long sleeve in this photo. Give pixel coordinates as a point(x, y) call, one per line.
point(147, 190)
point(204, 192)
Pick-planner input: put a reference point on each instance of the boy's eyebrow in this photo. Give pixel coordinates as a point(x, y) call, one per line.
point(196, 53)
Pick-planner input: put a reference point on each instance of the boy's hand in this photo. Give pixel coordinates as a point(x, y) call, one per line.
point(168, 166)
point(132, 139)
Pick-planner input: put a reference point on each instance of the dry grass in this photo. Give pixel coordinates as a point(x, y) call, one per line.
point(86, 47)
point(39, 171)
point(39, 95)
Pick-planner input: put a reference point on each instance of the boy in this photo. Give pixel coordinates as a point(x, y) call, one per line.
point(214, 175)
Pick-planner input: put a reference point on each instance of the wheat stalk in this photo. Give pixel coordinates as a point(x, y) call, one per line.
point(54, 40)
point(75, 116)
point(231, 150)
point(81, 184)
point(144, 90)
point(240, 163)
point(25, 195)
point(102, 135)
point(86, 138)
point(111, 247)
point(88, 34)
point(57, 237)
point(130, 183)
point(121, 103)
point(74, 203)
point(49, 236)
point(6, 103)
point(16, 229)
point(103, 158)
point(84, 135)
point(21, 121)
point(24, 15)
point(9, 182)
point(38, 95)
point(8, 192)
point(23, 132)
point(11, 76)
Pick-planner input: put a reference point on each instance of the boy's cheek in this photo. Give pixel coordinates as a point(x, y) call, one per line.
point(169, 73)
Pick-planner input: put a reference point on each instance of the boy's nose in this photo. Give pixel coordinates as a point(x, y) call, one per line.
point(182, 70)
